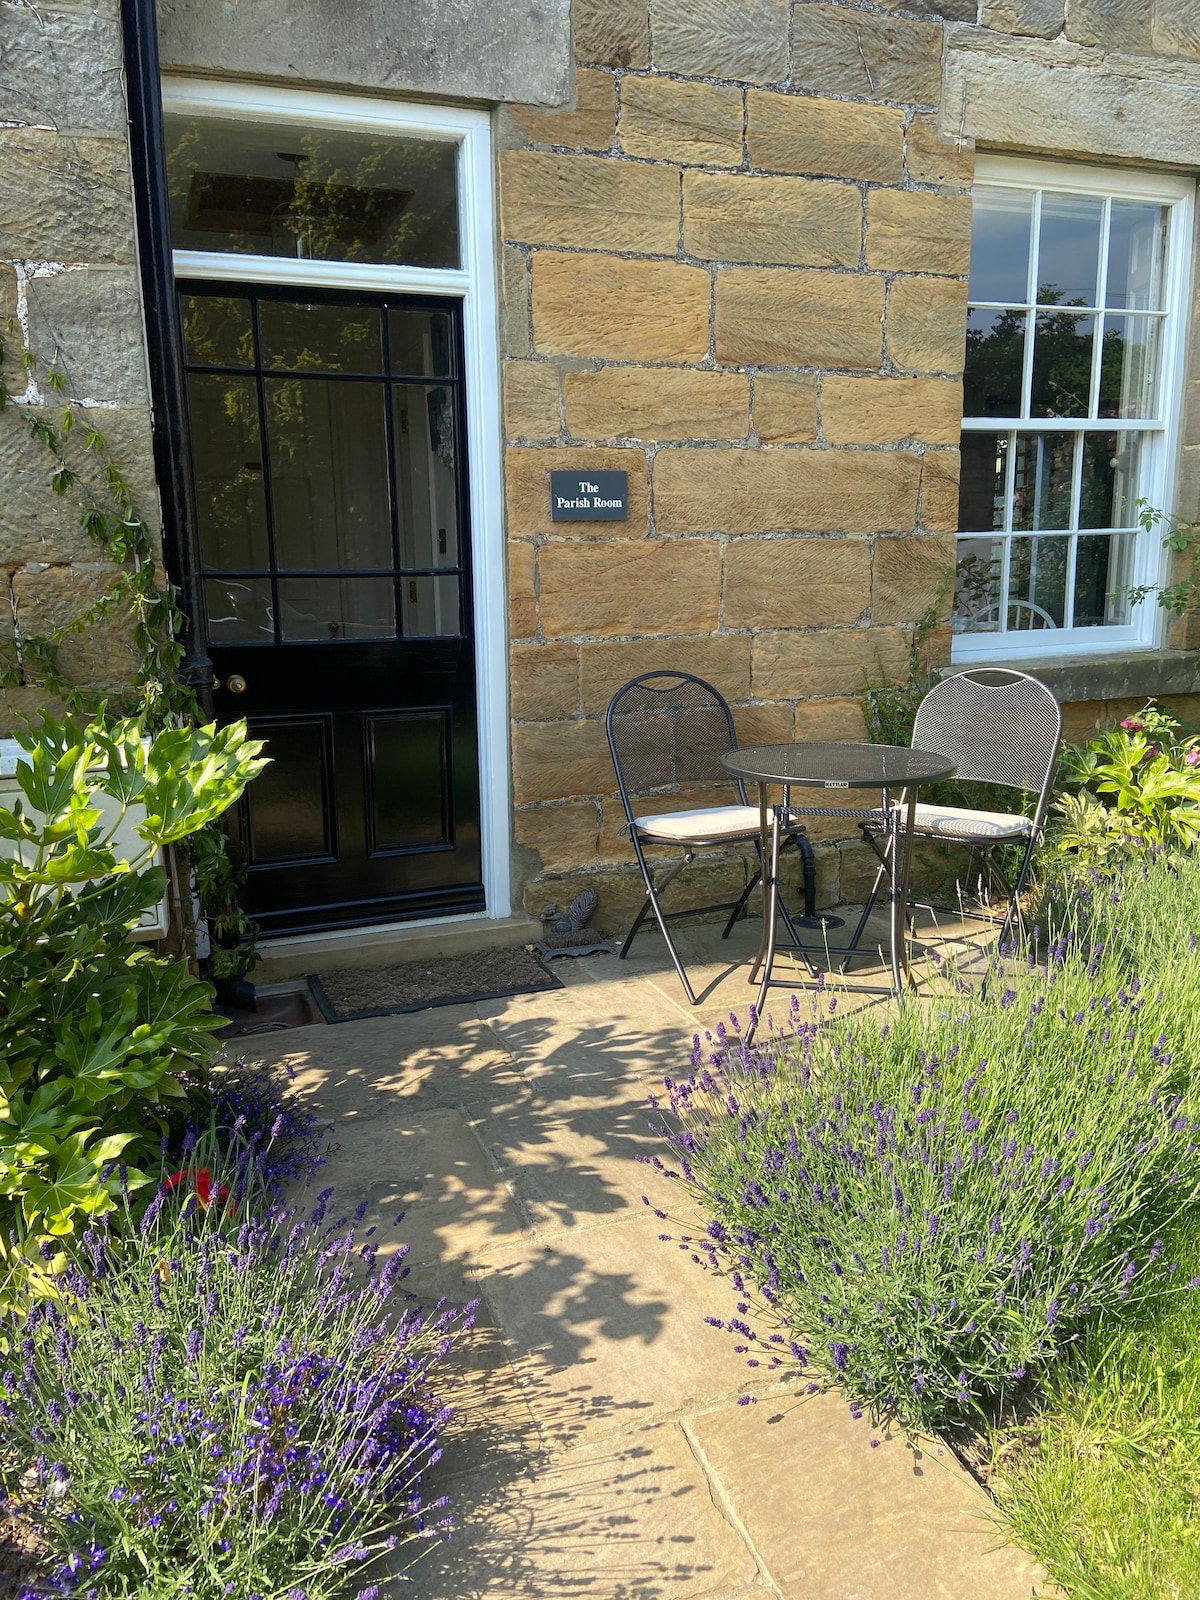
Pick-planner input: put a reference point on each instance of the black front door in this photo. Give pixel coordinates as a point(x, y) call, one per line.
point(327, 448)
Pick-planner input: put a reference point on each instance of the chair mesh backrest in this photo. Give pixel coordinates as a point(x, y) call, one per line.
point(667, 728)
point(996, 726)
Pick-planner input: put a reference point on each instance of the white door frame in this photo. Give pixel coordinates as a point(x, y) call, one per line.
point(474, 283)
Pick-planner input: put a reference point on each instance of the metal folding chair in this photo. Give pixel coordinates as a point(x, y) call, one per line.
point(999, 727)
point(667, 730)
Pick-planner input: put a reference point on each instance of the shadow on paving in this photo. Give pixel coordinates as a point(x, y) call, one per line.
point(505, 1144)
point(618, 1524)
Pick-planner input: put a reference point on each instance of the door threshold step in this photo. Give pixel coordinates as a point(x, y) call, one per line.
point(295, 957)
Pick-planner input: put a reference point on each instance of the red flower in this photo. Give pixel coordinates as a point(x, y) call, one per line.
point(202, 1184)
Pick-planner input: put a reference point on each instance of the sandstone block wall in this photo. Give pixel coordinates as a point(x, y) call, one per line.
point(735, 269)
point(69, 281)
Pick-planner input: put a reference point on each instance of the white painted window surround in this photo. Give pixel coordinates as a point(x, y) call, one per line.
point(474, 283)
point(1012, 626)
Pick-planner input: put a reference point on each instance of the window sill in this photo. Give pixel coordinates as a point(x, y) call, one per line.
point(1125, 674)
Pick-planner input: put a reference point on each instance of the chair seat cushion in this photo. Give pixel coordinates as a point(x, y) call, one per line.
point(709, 822)
point(958, 822)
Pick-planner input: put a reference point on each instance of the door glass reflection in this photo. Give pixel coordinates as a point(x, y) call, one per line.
point(217, 331)
point(327, 194)
point(318, 337)
point(239, 610)
point(328, 456)
point(227, 471)
point(420, 344)
point(423, 422)
point(430, 607)
point(330, 609)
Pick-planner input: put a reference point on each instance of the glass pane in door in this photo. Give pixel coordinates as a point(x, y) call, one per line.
point(329, 609)
point(329, 479)
point(329, 487)
point(231, 506)
point(426, 475)
point(319, 338)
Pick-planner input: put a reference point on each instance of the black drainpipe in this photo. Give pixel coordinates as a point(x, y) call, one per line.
point(164, 340)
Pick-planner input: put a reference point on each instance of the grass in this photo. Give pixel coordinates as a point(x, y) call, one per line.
point(1104, 1486)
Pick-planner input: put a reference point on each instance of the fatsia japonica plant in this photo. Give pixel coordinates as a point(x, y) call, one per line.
point(95, 1029)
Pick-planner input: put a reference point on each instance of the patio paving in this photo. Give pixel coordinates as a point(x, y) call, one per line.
point(599, 1449)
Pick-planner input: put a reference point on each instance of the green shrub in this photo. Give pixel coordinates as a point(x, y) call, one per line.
point(1135, 786)
point(94, 1028)
point(938, 1204)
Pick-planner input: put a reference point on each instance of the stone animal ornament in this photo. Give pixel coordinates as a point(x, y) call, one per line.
point(564, 932)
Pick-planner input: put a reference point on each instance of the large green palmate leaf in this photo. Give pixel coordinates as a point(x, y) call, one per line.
point(47, 776)
point(72, 1181)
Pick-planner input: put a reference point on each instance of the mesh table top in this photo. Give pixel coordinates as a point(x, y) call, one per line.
point(837, 766)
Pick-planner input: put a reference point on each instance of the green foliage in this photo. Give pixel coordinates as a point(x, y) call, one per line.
point(138, 586)
point(1181, 537)
point(95, 1030)
point(220, 873)
point(937, 1205)
point(1133, 787)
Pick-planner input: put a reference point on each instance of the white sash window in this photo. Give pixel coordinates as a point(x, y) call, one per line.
point(1070, 401)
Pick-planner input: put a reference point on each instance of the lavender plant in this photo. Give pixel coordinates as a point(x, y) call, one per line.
point(936, 1205)
point(241, 1103)
point(237, 1402)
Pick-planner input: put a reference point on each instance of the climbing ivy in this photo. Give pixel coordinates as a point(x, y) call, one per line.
point(139, 590)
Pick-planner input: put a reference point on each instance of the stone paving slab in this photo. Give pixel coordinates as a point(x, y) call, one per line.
point(599, 1448)
point(574, 1162)
point(832, 1518)
point(625, 1520)
point(606, 1324)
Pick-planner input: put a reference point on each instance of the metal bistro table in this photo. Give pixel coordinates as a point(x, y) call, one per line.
point(838, 767)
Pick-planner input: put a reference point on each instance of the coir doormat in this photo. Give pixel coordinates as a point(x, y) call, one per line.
point(346, 996)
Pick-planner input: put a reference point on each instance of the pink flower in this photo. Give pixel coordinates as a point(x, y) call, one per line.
point(1192, 759)
point(1133, 724)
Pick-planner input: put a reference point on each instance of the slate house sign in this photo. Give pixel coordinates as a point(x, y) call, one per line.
point(589, 497)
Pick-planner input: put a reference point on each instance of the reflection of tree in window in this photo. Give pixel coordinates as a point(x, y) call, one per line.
point(278, 190)
point(992, 372)
point(1062, 361)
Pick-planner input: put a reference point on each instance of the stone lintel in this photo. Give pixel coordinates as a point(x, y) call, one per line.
point(1054, 98)
point(518, 50)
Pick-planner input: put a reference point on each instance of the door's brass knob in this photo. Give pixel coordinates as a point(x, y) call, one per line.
point(235, 683)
